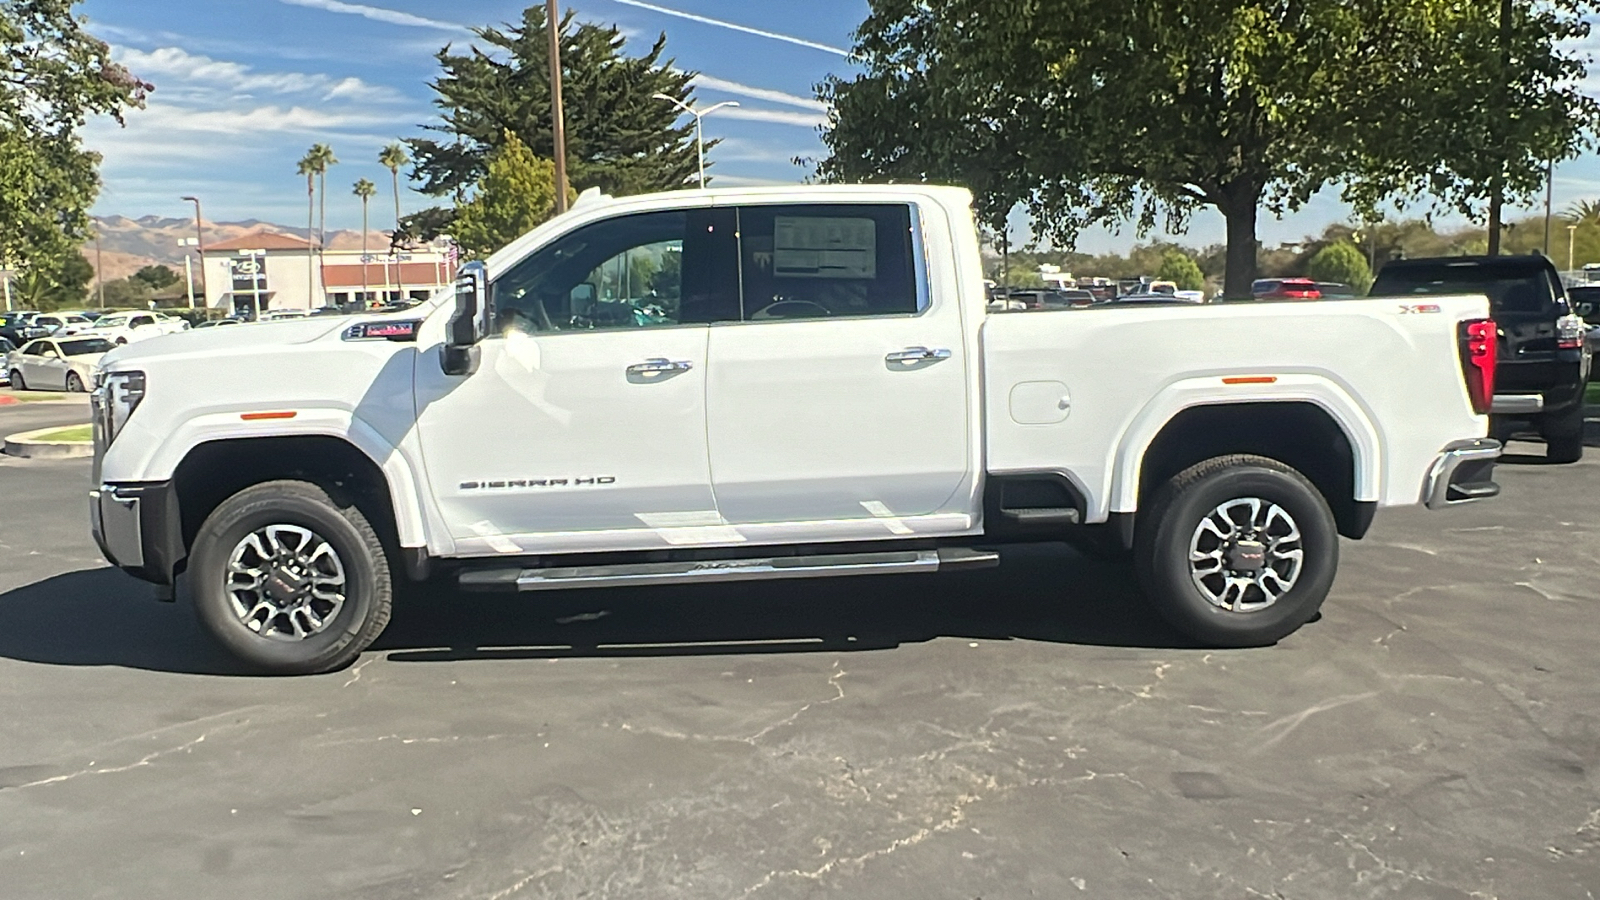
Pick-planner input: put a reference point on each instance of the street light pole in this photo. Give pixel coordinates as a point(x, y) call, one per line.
point(1571, 233)
point(200, 248)
point(699, 135)
point(558, 126)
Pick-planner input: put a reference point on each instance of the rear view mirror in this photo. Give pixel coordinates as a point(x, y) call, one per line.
point(582, 297)
point(469, 324)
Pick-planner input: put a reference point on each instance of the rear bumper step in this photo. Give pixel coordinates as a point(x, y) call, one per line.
point(1463, 473)
point(893, 562)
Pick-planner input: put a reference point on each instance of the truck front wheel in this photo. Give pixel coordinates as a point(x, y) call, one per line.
point(289, 580)
point(1237, 551)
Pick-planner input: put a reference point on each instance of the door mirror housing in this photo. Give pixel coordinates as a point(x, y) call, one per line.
point(469, 324)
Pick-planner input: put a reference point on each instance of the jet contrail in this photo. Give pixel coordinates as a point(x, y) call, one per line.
point(720, 24)
point(378, 14)
point(713, 83)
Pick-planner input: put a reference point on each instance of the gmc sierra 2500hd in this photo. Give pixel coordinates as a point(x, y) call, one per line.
point(732, 385)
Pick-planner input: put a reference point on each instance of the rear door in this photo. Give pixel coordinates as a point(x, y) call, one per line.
point(837, 406)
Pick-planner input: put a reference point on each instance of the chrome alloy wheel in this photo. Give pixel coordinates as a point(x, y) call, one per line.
point(285, 582)
point(1246, 554)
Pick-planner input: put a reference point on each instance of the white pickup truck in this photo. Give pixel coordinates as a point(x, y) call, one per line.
point(731, 385)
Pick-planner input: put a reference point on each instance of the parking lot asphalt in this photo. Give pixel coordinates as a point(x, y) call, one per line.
point(1023, 732)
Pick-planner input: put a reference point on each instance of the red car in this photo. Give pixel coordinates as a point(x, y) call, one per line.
point(1285, 289)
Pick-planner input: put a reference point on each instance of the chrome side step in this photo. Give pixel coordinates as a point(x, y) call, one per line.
point(893, 562)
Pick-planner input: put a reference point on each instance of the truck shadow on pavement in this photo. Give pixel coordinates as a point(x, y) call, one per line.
point(102, 617)
point(1528, 449)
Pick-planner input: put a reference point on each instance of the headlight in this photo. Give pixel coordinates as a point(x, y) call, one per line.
point(115, 398)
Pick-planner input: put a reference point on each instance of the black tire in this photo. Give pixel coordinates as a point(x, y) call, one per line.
point(1563, 435)
point(17, 384)
point(368, 593)
point(74, 383)
point(1173, 518)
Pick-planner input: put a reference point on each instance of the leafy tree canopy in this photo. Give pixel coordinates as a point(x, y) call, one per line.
point(1341, 262)
point(516, 195)
point(1088, 111)
point(157, 277)
point(57, 283)
point(53, 77)
point(1180, 268)
point(620, 137)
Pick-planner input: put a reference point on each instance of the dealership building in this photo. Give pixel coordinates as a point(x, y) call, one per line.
point(267, 271)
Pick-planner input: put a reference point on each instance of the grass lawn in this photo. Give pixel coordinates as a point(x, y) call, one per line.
point(80, 433)
point(34, 397)
point(1593, 396)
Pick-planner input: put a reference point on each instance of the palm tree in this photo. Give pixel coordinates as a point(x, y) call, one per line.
point(365, 190)
point(321, 156)
point(307, 167)
point(1582, 211)
point(392, 158)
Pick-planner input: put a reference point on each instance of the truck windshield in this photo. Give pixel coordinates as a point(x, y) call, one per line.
point(1509, 290)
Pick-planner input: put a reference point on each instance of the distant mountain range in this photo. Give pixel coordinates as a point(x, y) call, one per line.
point(127, 245)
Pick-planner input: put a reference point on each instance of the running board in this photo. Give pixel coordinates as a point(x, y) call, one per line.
point(894, 562)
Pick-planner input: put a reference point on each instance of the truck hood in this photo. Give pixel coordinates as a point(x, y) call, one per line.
point(248, 338)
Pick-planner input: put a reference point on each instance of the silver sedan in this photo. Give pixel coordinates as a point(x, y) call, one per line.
point(56, 364)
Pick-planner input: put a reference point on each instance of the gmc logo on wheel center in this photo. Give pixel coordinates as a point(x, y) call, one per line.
point(511, 484)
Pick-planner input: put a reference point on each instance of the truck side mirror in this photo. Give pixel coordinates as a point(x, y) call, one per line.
point(469, 324)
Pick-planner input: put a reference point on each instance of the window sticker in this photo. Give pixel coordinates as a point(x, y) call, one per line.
point(819, 247)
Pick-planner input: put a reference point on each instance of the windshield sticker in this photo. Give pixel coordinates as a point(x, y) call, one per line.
point(824, 247)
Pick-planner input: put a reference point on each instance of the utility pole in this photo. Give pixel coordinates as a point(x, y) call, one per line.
point(1571, 233)
point(200, 248)
point(558, 127)
point(99, 273)
point(1549, 194)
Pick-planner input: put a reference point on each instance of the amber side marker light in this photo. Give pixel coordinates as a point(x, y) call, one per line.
point(1251, 379)
point(256, 417)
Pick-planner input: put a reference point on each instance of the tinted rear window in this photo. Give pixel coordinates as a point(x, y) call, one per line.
point(1508, 289)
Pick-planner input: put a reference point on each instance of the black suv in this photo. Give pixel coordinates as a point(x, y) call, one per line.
point(1543, 362)
point(18, 327)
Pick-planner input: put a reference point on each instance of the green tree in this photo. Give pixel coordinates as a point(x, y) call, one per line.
point(1094, 112)
point(1498, 94)
point(57, 283)
point(1181, 269)
point(157, 276)
point(620, 138)
point(1341, 262)
point(53, 77)
point(307, 166)
point(516, 195)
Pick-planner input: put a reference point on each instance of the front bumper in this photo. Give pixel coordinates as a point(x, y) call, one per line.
point(1464, 472)
point(138, 529)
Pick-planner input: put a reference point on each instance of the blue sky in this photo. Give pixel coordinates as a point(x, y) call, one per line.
point(243, 87)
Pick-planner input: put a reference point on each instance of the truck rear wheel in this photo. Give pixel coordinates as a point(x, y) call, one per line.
point(1237, 551)
point(1563, 435)
point(289, 580)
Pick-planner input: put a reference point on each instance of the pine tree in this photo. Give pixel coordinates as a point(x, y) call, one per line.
point(620, 138)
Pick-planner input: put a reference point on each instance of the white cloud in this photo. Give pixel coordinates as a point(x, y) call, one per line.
point(200, 76)
point(712, 83)
point(704, 20)
point(379, 14)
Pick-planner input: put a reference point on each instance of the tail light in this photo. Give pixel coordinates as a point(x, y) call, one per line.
point(1569, 333)
point(1478, 361)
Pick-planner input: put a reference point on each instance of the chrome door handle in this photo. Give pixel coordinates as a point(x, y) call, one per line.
point(917, 354)
point(659, 365)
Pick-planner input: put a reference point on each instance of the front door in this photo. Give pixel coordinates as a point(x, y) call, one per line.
point(840, 399)
point(584, 426)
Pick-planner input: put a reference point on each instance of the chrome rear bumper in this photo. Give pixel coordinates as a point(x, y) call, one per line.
point(1463, 473)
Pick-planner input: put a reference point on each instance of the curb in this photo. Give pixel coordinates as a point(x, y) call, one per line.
point(8, 400)
point(23, 445)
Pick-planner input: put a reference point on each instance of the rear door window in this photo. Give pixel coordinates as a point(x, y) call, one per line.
point(810, 261)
